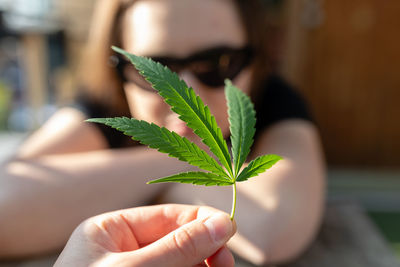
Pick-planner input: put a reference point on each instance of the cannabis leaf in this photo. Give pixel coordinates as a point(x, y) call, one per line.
point(165, 141)
point(184, 102)
point(242, 120)
point(199, 178)
point(257, 166)
point(197, 116)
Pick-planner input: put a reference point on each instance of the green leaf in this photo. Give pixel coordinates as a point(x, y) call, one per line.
point(165, 141)
point(257, 166)
point(197, 178)
point(242, 119)
point(184, 102)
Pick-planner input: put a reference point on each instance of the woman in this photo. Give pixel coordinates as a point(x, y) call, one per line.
point(69, 170)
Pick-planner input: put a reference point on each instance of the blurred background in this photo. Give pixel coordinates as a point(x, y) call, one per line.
point(344, 56)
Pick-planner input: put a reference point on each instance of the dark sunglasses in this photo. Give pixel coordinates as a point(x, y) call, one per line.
point(211, 66)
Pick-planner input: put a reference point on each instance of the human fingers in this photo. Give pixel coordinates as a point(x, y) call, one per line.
point(222, 258)
point(131, 229)
point(148, 224)
point(190, 244)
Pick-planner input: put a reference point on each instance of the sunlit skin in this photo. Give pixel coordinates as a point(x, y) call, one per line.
point(66, 172)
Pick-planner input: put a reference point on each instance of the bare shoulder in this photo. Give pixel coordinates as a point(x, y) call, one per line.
point(65, 132)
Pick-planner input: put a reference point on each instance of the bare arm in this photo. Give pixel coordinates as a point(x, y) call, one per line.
point(63, 175)
point(279, 211)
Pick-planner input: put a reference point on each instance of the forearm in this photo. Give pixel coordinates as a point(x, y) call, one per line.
point(42, 200)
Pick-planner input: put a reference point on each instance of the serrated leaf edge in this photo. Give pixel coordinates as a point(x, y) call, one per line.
point(256, 167)
point(219, 148)
point(195, 178)
point(207, 162)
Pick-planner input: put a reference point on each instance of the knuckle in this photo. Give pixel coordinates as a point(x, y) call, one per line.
point(185, 244)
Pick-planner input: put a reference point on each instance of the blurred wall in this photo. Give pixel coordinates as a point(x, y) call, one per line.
point(345, 57)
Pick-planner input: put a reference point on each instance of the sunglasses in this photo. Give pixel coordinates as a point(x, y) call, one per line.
point(211, 67)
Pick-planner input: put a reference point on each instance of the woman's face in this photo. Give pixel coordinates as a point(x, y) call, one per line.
point(178, 29)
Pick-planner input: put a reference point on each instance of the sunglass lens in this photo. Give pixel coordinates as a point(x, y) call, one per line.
point(221, 67)
point(210, 67)
point(211, 78)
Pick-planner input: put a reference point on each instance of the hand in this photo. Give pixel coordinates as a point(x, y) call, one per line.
point(163, 235)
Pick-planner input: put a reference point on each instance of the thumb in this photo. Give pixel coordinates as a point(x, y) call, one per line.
point(191, 243)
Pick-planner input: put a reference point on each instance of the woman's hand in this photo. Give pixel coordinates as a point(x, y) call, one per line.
point(164, 235)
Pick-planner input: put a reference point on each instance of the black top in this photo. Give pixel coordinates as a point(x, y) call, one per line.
point(277, 101)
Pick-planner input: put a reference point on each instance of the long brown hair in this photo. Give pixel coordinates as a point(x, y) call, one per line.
point(99, 78)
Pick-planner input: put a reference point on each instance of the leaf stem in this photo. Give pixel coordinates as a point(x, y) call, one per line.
point(233, 201)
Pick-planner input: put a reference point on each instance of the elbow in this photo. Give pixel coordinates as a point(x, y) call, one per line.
point(299, 223)
point(287, 246)
point(14, 226)
point(7, 241)
point(295, 228)
point(21, 233)
point(284, 242)
point(24, 224)
point(292, 244)
point(17, 234)
point(9, 219)
point(9, 223)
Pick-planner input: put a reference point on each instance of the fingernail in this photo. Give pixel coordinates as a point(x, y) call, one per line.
point(220, 227)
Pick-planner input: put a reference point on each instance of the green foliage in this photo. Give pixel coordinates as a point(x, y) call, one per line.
point(197, 116)
point(184, 102)
point(242, 119)
point(198, 178)
point(165, 141)
point(257, 166)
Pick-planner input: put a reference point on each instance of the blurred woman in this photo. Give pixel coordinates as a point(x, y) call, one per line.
point(69, 170)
